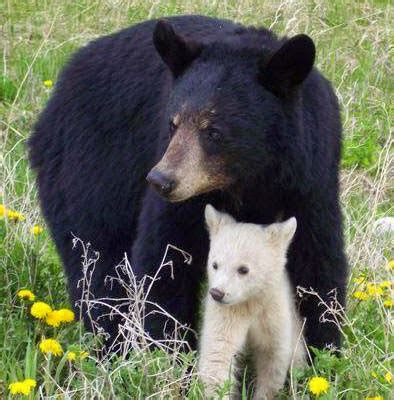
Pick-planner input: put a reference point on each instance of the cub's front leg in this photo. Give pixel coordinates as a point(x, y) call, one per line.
point(223, 336)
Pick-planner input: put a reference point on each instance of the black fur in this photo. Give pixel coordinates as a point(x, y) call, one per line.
point(106, 126)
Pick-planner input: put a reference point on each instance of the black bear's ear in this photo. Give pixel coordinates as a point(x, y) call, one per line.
point(288, 66)
point(176, 51)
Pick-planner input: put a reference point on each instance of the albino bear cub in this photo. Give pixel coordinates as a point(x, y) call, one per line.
point(250, 302)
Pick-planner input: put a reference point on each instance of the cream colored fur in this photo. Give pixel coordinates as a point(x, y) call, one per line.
point(257, 309)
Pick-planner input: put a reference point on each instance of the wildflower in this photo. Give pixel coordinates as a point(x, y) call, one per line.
point(26, 294)
point(14, 215)
point(71, 356)
point(51, 346)
point(36, 230)
point(385, 284)
point(388, 303)
point(53, 319)
point(374, 398)
point(2, 211)
point(360, 295)
point(40, 310)
point(388, 377)
point(374, 375)
point(48, 83)
point(83, 355)
point(390, 265)
point(374, 290)
point(359, 280)
point(22, 387)
point(318, 385)
point(66, 315)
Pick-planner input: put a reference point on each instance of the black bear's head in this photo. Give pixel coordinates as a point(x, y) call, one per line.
point(229, 109)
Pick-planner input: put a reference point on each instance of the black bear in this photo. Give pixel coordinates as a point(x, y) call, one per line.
point(205, 110)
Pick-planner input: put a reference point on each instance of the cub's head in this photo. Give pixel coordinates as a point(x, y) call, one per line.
point(244, 259)
point(226, 117)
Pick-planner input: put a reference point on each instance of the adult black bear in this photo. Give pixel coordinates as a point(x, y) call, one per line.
point(232, 116)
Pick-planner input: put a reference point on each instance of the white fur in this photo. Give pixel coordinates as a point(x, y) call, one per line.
point(257, 309)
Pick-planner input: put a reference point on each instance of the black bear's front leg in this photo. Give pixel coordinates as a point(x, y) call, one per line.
point(177, 284)
point(317, 261)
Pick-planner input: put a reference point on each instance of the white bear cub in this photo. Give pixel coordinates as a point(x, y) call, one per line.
point(249, 303)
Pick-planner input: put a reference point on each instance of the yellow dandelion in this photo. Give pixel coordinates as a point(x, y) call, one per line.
point(359, 280)
point(48, 83)
point(374, 290)
point(22, 387)
point(83, 355)
point(318, 385)
point(53, 319)
point(385, 284)
point(388, 377)
point(360, 295)
point(66, 315)
point(388, 303)
point(40, 310)
point(26, 294)
point(390, 265)
point(51, 346)
point(3, 211)
point(36, 230)
point(374, 398)
point(71, 356)
point(15, 216)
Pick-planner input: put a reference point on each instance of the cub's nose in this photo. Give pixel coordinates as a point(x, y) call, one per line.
point(162, 183)
point(216, 294)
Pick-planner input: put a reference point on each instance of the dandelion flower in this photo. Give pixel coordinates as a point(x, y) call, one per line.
point(51, 346)
point(385, 284)
point(360, 295)
point(388, 377)
point(71, 356)
point(83, 355)
point(374, 398)
point(22, 387)
point(3, 211)
point(388, 303)
point(36, 230)
point(66, 315)
point(374, 290)
point(26, 294)
point(53, 319)
point(48, 83)
point(318, 385)
point(15, 216)
point(390, 265)
point(40, 310)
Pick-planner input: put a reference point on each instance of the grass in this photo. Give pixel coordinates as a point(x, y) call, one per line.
point(354, 42)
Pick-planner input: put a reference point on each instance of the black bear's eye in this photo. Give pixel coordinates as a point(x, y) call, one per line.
point(172, 126)
point(213, 134)
point(242, 270)
point(214, 266)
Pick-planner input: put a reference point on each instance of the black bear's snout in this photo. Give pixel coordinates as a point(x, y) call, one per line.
point(162, 183)
point(216, 294)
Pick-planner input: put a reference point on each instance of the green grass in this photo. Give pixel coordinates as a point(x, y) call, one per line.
point(354, 50)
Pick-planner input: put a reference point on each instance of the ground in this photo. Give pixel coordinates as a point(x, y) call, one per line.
point(353, 42)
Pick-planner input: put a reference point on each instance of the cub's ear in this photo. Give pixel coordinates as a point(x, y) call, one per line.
point(288, 66)
point(177, 52)
point(215, 219)
point(281, 233)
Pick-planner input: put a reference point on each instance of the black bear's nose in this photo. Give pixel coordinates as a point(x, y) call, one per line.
point(216, 294)
point(162, 183)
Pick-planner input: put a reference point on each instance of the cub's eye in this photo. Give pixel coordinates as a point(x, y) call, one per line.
point(214, 266)
point(172, 126)
point(213, 134)
point(242, 270)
